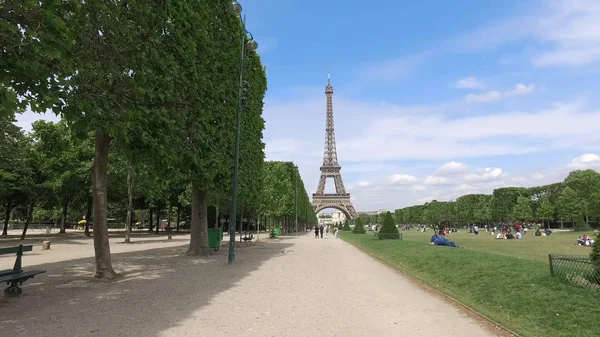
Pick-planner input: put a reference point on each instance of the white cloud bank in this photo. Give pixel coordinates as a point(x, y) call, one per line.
point(468, 83)
point(491, 96)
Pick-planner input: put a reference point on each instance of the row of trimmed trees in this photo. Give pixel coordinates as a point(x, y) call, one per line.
point(575, 200)
point(152, 86)
point(45, 179)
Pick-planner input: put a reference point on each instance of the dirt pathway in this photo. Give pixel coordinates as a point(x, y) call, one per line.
point(288, 287)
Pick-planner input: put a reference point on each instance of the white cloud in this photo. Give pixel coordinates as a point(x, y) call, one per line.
point(492, 96)
point(469, 83)
point(489, 173)
point(403, 179)
point(572, 29)
point(585, 161)
point(451, 168)
point(435, 180)
point(537, 176)
point(418, 187)
point(364, 183)
point(566, 32)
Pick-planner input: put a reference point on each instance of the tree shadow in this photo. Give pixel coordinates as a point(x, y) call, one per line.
point(157, 290)
point(79, 238)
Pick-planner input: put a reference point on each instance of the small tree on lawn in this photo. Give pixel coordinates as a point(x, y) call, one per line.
point(346, 226)
point(358, 227)
point(388, 229)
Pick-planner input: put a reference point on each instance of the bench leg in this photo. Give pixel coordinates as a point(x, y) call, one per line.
point(13, 290)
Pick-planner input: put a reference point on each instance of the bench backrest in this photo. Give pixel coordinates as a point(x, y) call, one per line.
point(15, 250)
point(19, 251)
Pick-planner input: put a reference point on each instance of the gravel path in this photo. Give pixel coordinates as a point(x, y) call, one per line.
point(288, 287)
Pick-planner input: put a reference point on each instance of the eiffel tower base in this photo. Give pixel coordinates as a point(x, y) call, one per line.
point(341, 203)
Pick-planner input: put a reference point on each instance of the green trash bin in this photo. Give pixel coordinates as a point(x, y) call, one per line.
point(277, 231)
point(215, 236)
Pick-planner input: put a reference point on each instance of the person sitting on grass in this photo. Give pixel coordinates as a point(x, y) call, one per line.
point(580, 241)
point(518, 236)
point(434, 237)
point(442, 241)
point(509, 236)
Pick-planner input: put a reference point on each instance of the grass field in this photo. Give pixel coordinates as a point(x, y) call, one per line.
point(507, 281)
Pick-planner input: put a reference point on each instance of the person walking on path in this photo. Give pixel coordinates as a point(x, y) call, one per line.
point(321, 230)
point(326, 230)
point(335, 232)
point(316, 232)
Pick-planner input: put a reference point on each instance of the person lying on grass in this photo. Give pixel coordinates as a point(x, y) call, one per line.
point(440, 240)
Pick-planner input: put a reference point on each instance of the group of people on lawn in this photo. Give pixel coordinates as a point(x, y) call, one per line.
point(585, 240)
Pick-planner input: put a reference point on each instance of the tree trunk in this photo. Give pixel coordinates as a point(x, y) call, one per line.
point(157, 220)
point(217, 216)
point(178, 217)
point(27, 219)
point(63, 218)
point(129, 207)
point(199, 228)
point(562, 224)
point(88, 215)
point(169, 216)
point(150, 221)
point(6, 219)
point(104, 267)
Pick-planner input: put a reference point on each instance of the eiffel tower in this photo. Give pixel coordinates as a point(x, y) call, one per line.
point(339, 200)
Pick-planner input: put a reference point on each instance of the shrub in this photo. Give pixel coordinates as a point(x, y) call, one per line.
point(346, 226)
point(595, 256)
point(388, 230)
point(358, 227)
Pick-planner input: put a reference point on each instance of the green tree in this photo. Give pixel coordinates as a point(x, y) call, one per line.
point(504, 201)
point(569, 205)
point(14, 170)
point(584, 183)
point(522, 210)
point(358, 227)
point(546, 210)
point(346, 226)
point(388, 229)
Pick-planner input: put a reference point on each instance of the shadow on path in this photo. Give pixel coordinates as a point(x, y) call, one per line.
point(157, 289)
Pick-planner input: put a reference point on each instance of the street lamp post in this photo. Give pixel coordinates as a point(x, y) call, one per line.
point(296, 197)
point(250, 45)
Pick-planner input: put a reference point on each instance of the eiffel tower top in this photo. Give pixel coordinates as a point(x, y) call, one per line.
point(330, 154)
point(329, 88)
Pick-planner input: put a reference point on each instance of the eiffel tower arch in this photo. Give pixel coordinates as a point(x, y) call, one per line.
point(331, 168)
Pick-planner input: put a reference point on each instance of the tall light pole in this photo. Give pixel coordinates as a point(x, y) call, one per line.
point(250, 45)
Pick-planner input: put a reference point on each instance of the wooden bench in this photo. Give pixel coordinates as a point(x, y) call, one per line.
point(16, 276)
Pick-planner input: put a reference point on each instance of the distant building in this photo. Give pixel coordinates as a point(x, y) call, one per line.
point(332, 218)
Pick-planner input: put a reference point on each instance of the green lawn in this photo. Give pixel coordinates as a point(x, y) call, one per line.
point(505, 280)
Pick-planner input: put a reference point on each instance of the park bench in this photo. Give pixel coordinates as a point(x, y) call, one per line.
point(247, 237)
point(16, 276)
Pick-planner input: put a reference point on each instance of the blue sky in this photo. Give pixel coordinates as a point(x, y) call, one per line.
point(433, 99)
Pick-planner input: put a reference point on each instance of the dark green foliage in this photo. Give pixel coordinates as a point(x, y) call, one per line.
point(358, 227)
point(504, 201)
point(346, 226)
point(595, 255)
point(282, 186)
point(388, 231)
